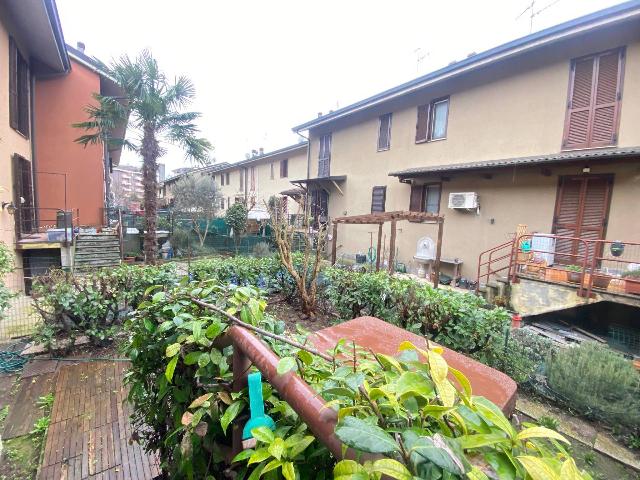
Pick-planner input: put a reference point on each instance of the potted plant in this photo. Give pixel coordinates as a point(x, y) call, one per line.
point(574, 273)
point(632, 281)
point(554, 274)
point(601, 279)
point(129, 257)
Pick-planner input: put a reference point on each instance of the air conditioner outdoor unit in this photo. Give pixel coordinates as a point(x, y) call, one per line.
point(463, 200)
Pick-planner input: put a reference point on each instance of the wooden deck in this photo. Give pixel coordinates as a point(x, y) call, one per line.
point(89, 433)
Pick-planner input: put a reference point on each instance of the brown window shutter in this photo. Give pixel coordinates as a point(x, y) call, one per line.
point(416, 199)
point(607, 99)
point(13, 84)
point(577, 123)
point(23, 97)
point(378, 199)
point(422, 124)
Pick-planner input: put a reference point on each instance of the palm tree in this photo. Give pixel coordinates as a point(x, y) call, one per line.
point(152, 108)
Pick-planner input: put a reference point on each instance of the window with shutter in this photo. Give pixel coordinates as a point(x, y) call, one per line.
point(253, 178)
point(595, 92)
point(271, 171)
point(227, 179)
point(582, 206)
point(284, 168)
point(241, 172)
point(422, 125)
point(18, 90)
point(324, 156)
point(378, 199)
point(384, 132)
point(23, 195)
point(432, 120)
point(425, 198)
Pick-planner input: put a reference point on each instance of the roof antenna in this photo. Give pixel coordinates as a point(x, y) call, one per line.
point(534, 13)
point(420, 56)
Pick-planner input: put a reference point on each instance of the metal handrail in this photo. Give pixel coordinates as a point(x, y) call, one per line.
point(589, 254)
point(40, 225)
point(491, 260)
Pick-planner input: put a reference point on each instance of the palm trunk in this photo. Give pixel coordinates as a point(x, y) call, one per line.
point(150, 151)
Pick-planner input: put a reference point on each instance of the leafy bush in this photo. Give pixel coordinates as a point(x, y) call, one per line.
point(261, 250)
point(461, 321)
point(6, 266)
point(236, 218)
point(403, 409)
point(522, 357)
point(93, 304)
point(596, 381)
point(181, 380)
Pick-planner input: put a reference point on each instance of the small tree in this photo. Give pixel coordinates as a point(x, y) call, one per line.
point(313, 242)
point(236, 218)
point(198, 198)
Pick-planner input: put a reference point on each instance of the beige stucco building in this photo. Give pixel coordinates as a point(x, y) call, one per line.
point(524, 126)
point(253, 180)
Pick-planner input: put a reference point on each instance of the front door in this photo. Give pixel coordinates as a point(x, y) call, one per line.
point(319, 206)
point(23, 195)
point(582, 211)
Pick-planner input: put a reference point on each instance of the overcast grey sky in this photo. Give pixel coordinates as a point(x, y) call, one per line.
point(261, 67)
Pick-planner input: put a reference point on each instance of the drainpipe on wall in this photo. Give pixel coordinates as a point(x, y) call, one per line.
point(32, 140)
point(307, 199)
point(107, 178)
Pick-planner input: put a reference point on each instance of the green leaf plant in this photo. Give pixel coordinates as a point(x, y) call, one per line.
point(408, 416)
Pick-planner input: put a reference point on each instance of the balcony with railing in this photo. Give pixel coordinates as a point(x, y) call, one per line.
point(605, 267)
point(43, 227)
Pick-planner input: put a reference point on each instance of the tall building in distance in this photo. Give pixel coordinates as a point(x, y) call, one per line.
point(127, 188)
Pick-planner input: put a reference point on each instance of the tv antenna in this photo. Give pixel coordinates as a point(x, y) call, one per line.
point(420, 56)
point(534, 13)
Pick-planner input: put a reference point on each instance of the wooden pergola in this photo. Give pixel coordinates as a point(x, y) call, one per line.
point(380, 219)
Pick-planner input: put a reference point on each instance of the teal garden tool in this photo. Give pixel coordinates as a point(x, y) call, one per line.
point(256, 407)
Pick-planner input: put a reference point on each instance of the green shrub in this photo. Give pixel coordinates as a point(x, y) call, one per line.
point(523, 356)
point(594, 380)
point(6, 266)
point(461, 321)
point(94, 304)
point(184, 407)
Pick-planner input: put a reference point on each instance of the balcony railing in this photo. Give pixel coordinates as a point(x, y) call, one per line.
point(604, 266)
point(44, 224)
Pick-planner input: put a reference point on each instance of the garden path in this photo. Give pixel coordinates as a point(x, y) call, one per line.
point(89, 435)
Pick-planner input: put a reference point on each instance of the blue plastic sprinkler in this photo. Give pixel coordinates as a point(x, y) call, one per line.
point(256, 407)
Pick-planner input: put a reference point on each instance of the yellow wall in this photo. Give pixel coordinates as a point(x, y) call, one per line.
point(265, 187)
point(512, 110)
point(10, 141)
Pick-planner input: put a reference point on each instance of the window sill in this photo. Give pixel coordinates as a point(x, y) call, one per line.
point(431, 141)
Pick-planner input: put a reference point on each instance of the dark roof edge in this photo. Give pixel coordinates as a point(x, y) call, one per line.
point(531, 160)
point(507, 49)
point(56, 27)
point(90, 62)
point(280, 151)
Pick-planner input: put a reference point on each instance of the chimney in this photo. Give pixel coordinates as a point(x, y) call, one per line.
point(81, 46)
point(261, 150)
point(319, 114)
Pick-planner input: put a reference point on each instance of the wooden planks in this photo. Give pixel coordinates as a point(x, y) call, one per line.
point(90, 430)
point(24, 412)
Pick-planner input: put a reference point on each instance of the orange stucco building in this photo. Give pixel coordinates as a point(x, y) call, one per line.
point(68, 175)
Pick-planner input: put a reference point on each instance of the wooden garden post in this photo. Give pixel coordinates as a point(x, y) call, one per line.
point(334, 243)
point(436, 278)
point(379, 247)
point(392, 246)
